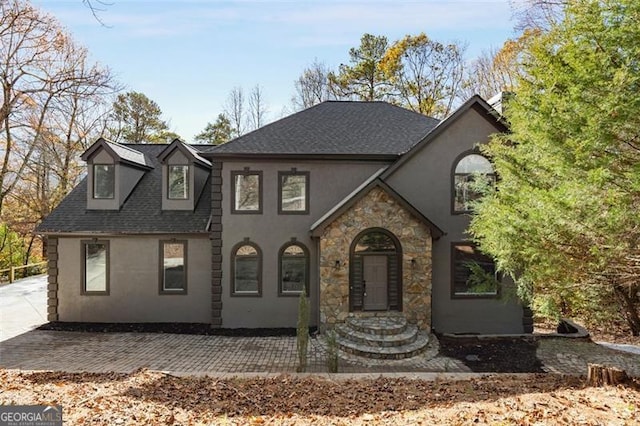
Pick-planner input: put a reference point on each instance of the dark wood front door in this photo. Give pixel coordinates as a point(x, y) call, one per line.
point(375, 283)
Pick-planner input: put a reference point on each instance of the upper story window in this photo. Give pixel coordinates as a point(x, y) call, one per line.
point(246, 192)
point(293, 192)
point(246, 269)
point(104, 181)
point(178, 185)
point(293, 269)
point(473, 273)
point(472, 172)
point(173, 267)
point(95, 267)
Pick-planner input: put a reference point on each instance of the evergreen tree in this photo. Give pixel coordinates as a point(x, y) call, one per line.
point(564, 220)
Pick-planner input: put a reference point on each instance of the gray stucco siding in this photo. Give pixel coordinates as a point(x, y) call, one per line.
point(134, 282)
point(425, 181)
point(329, 182)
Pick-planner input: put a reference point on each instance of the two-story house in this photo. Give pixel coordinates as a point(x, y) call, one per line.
point(362, 205)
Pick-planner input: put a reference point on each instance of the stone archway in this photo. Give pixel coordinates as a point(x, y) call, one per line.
point(375, 209)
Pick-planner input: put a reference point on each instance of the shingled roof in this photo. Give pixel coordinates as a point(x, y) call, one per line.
point(141, 213)
point(335, 128)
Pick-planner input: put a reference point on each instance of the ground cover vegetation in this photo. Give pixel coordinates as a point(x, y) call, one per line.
point(145, 397)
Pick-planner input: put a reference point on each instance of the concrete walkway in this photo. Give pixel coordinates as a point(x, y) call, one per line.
point(23, 307)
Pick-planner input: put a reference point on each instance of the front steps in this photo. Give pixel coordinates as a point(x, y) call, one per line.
point(381, 338)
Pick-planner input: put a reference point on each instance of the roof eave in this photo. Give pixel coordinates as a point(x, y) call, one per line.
point(298, 156)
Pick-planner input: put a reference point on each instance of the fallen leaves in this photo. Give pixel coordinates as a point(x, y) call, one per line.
point(146, 397)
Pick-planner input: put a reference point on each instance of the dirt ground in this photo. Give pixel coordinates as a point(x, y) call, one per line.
point(145, 397)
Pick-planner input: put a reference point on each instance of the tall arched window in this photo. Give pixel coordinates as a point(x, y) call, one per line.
point(471, 173)
point(293, 269)
point(246, 269)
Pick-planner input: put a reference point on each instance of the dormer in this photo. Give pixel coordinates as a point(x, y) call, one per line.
point(184, 174)
point(114, 170)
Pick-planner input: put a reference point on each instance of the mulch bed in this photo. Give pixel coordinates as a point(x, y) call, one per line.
point(495, 354)
point(501, 355)
point(166, 327)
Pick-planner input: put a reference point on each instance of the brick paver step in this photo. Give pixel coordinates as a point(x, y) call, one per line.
point(409, 335)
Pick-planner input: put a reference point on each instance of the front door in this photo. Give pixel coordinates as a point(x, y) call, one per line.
point(375, 282)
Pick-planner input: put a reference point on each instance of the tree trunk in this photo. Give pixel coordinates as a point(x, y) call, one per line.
point(628, 301)
point(599, 375)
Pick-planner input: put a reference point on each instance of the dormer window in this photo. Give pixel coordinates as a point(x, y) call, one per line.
point(178, 185)
point(104, 181)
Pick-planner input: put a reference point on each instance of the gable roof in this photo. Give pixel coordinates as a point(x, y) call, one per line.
point(120, 153)
point(188, 151)
point(346, 203)
point(334, 128)
point(476, 103)
point(141, 213)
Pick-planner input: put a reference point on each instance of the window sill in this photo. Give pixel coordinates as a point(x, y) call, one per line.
point(94, 293)
point(246, 294)
point(172, 292)
point(475, 296)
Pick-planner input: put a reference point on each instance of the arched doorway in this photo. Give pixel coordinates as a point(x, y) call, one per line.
point(375, 273)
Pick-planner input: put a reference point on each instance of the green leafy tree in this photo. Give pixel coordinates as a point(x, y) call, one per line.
point(363, 79)
point(216, 133)
point(137, 119)
point(564, 220)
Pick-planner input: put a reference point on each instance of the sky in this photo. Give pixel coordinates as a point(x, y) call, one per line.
point(188, 55)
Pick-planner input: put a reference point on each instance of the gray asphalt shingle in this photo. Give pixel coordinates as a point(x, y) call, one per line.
point(141, 213)
point(336, 128)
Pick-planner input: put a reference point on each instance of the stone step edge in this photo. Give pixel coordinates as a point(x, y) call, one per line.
point(398, 352)
point(381, 331)
point(376, 340)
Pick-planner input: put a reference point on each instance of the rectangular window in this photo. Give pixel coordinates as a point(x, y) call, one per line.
point(246, 193)
point(293, 192)
point(473, 273)
point(178, 182)
point(173, 264)
point(104, 181)
point(95, 267)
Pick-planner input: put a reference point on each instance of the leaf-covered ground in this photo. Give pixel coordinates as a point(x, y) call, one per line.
point(146, 397)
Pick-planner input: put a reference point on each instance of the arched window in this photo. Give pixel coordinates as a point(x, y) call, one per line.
point(293, 269)
point(246, 269)
point(471, 173)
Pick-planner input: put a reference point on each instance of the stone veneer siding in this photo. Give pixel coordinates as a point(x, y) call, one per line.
point(52, 280)
point(376, 210)
point(216, 244)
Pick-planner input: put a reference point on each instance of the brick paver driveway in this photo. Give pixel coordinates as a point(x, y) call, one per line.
point(23, 304)
point(197, 354)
